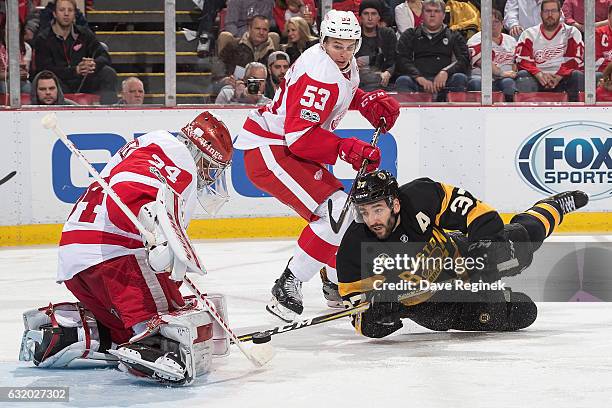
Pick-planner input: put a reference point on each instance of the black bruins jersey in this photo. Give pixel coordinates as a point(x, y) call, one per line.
point(427, 210)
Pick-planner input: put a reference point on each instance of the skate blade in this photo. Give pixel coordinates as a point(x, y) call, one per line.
point(280, 311)
point(164, 373)
point(334, 304)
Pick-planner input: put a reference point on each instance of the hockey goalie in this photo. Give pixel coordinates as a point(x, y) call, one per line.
point(130, 312)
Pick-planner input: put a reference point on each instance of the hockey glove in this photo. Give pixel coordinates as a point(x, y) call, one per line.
point(354, 151)
point(383, 311)
point(376, 104)
point(380, 320)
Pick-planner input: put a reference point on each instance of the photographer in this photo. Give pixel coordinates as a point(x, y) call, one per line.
point(249, 90)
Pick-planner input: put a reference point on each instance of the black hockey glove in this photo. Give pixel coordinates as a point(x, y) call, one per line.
point(381, 310)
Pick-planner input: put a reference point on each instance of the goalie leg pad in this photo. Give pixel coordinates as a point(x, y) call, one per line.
point(176, 348)
point(65, 335)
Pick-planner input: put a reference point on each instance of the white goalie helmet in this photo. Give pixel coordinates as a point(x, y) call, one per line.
point(342, 25)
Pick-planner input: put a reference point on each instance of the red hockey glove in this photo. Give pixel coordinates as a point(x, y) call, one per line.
point(376, 104)
point(354, 151)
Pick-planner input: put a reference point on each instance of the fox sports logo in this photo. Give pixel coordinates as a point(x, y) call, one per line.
point(568, 156)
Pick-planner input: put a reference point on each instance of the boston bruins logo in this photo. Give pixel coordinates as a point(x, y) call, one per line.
point(484, 318)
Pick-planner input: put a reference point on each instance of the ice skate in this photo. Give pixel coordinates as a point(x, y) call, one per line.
point(330, 291)
point(286, 300)
point(150, 360)
point(568, 201)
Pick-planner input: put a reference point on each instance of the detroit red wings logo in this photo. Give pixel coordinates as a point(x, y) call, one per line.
point(503, 57)
point(548, 54)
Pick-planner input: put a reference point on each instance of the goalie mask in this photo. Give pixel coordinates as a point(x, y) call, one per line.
point(210, 144)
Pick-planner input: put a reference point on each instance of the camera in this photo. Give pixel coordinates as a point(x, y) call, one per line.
point(252, 85)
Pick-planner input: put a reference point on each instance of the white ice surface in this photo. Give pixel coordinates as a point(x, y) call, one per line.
point(563, 360)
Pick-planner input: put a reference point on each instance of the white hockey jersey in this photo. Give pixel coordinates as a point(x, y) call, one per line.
point(97, 230)
point(503, 53)
point(561, 54)
point(313, 93)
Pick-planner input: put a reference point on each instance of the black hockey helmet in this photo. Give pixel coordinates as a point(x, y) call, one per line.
point(376, 185)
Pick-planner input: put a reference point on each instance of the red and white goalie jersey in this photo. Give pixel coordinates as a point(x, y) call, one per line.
point(314, 93)
point(97, 230)
point(561, 54)
point(503, 53)
point(603, 47)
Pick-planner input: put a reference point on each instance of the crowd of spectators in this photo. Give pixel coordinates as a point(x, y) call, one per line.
point(432, 46)
point(426, 46)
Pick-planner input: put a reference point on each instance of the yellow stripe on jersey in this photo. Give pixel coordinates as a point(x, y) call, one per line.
point(552, 210)
point(448, 193)
point(480, 209)
point(360, 286)
point(542, 218)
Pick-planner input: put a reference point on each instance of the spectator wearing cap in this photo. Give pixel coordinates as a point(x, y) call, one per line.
point(376, 57)
point(278, 65)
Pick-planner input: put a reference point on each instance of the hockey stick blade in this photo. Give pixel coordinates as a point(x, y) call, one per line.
point(336, 225)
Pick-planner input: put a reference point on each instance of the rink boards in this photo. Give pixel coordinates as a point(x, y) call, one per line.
point(507, 156)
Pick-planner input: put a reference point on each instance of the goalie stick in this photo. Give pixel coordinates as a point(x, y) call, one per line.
point(336, 225)
point(259, 356)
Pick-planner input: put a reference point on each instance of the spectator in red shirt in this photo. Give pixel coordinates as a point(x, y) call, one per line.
point(573, 10)
point(604, 90)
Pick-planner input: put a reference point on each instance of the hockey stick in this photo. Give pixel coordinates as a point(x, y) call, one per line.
point(306, 323)
point(313, 321)
point(7, 177)
point(336, 225)
point(258, 356)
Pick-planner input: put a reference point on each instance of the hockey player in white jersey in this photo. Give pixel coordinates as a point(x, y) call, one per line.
point(289, 142)
point(129, 304)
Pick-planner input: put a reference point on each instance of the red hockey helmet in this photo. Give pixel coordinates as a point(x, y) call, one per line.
point(210, 144)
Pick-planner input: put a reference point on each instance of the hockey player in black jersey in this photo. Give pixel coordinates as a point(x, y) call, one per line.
point(428, 219)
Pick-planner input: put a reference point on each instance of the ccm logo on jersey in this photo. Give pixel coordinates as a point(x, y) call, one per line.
point(310, 116)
